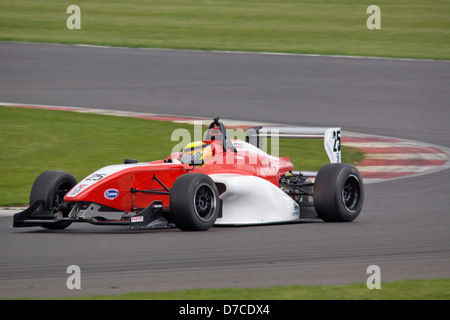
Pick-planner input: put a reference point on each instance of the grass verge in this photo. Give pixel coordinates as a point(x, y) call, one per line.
point(413, 28)
point(434, 289)
point(34, 140)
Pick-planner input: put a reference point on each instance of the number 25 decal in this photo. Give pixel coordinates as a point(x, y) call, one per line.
point(337, 141)
point(96, 177)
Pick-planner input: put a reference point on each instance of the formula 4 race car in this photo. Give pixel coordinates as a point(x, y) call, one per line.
point(216, 181)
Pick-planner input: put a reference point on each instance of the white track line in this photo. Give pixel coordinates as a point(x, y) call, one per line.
point(231, 52)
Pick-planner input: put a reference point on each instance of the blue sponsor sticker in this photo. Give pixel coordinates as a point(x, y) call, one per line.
point(111, 194)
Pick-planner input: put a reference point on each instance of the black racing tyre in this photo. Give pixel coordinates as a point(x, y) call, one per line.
point(194, 202)
point(338, 193)
point(51, 186)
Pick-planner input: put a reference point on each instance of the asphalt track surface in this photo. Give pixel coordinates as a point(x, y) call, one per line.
point(404, 226)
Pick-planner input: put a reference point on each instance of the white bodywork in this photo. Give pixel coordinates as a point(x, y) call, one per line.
point(252, 200)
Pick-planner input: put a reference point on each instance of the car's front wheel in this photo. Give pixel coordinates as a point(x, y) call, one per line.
point(51, 186)
point(194, 202)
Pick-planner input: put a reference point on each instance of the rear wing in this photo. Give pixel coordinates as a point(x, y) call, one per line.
point(331, 137)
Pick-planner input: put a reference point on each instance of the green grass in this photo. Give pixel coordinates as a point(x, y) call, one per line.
point(434, 289)
point(413, 28)
point(34, 140)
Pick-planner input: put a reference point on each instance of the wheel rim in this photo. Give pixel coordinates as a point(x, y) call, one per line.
point(351, 193)
point(60, 207)
point(204, 202)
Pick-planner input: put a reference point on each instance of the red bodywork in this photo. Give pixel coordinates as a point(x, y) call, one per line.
point(159, 176)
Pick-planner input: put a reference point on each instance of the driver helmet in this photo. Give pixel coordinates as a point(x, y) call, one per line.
point(196, 153)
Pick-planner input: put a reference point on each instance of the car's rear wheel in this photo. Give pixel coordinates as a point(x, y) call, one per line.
point(51, 186)
point(338, 193)
point(194, 202)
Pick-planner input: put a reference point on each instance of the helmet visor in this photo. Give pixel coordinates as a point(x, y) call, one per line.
point(194, 154)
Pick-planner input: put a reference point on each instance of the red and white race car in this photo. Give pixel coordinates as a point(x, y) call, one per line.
point(216, 181)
